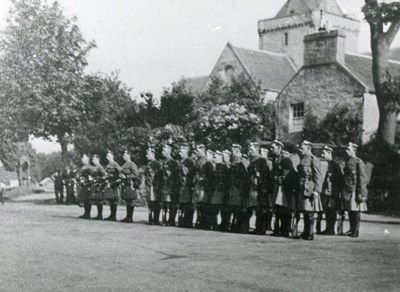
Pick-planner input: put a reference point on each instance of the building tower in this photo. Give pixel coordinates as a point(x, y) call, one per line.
point(297, 18)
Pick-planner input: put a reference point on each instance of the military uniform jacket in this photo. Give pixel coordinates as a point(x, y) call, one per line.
point(130, 182)
point(354, 190)
point(98, 174)
point(113, 171)
point(238, 183)
point(170, 184)
point(258, 174)
point(332, 186)
point(152, 170)
point(186, 176)
point(220, 186)
point(311, 180)
point(84, 175)
point(277, 179)
point(290, 189)
point(203, 168)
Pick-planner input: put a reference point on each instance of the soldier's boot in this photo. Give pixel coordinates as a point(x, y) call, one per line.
point(172, 216)
point(356, 224)
point(286, 220)
point(164, 217)
point(351, 222)
point(86, 215)
point(269, 220)
point(330, 223)
point(189, 214)
point(129, 214)
point(306, 231)
point(311, 228)
point(99, 212)
point(277, 229)
point(156, 215)
point(113, 213)
point(150, 216)
point(319, 222)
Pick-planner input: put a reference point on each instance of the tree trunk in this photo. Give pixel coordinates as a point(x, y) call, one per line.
point(387, 126)
point(64, 149)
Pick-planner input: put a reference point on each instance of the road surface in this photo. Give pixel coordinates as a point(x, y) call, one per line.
point(45, 247)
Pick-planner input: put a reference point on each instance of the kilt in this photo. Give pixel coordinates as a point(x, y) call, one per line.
point(280, 198)
point(128, 192)
point(329, 202)
point(185, 195)
point(111, 194)
point(98, 196)
point(198, 193)
point(253, 197)
point(353, 205)
point(166, 194)
point(306, 204)
point(84, 194)
point(151, 195)
point(235, 197)
point(217, 198)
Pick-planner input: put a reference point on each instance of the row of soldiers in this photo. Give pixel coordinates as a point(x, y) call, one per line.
point(64, 180)
point(224, 185)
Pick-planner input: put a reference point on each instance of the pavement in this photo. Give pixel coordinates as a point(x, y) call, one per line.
point(45, 247)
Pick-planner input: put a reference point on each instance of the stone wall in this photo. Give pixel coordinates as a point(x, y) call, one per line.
point(320, 88)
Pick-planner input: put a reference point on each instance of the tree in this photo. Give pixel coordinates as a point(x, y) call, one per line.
point(42, 65)
point(384, 22)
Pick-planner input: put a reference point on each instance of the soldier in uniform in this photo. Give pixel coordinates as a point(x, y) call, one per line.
point(68, 182)
point(277, 174)
point(58, 188)
point(152, 172)
point(225, 209)
point(220, 189)
point(208, 190)
point(331, 189)
point(98, 174)
point(355, 190)
point(169, 190)
point(186, 175)
point(111, 190)
point(130, 183)
point(237, 190)
point(199, 183)
point(258, 174)
point(310, 186)
point(84, 185)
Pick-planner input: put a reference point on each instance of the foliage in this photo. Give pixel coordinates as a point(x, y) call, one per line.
point(341, 125)
point(42, 65)
point(49, 164)
point(176, 104)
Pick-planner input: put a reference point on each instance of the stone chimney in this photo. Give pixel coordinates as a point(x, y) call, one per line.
point(324, 48)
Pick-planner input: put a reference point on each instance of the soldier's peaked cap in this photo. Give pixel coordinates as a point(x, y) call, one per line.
point(355, 146)
point(327, 148)
point(277, 142)
point(185, 147)
point(167, 146)
point(227, 152)
point(218, 152)
point(236, 146)
point(255, 144)
point(152, 150)
point(200, 146)
point(308, 143)
point(210, 151)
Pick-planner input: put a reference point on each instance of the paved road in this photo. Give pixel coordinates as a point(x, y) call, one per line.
point(46, 248)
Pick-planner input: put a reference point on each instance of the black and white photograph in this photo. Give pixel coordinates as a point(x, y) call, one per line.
point(199, 145)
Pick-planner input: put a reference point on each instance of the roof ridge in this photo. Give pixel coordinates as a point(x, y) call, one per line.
point(262, 51)
point(370, 57)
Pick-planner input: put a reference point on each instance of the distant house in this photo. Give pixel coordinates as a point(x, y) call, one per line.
point(9, 178)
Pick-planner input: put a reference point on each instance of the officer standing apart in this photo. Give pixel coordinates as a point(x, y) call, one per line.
point(259, 175)
point(355, 188)
point(111, 191)
point(84, 186)
point(331, 190)
point(169, 190)
point(98, 174)
point(311, 181)
point(151, 173)
point(130, 183)
point(186, 175)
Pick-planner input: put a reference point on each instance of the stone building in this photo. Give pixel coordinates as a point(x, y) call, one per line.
point(307, 62)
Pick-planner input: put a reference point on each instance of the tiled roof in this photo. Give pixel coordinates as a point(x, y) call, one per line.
point(196, 84)
point(361, 67)
point(305, 6)
point(272, 69)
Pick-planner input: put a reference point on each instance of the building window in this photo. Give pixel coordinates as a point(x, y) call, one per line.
point(286, 39)
point(296, 117)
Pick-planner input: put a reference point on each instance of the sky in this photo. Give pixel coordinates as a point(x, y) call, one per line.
point(152, 43)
